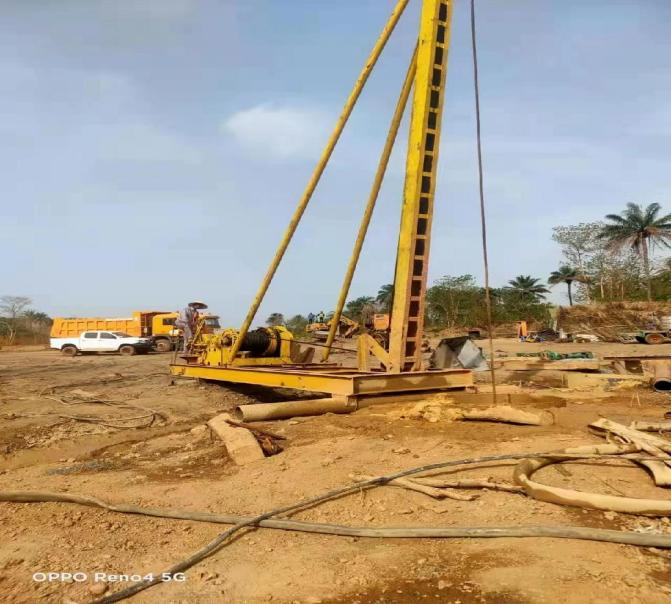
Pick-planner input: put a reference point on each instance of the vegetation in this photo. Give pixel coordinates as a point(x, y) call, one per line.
point(641, 230)
point(297, 324)
point(20, 324)
point(568, 275)
point(604, 261)
point(275, 319)
point(529, 287)
point(385, 297)
point(361, 309)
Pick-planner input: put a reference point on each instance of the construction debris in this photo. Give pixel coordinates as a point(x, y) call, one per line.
point(506, 414)
point(661, 370)
point(536, 364)
point(604, 381)
point(651, 426)
point(240, 443)
point(458, 352)
point(653, 445)
point(267, 440)
point(551, 355)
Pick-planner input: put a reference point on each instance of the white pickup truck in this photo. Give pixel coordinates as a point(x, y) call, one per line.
point(102, 341)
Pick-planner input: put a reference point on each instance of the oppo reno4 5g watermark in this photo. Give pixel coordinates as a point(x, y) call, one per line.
point(102, 577)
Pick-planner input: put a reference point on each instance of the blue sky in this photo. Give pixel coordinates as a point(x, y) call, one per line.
point(155, 149)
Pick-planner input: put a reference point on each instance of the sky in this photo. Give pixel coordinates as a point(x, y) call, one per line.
point(153, 150)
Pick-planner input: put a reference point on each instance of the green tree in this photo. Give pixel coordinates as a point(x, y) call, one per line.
point(275, 319)
point(385, 297)
point(454, 301)
point(509, 305)
point(297, 324)
point(360, 309)
point(641, 230)
point(529, 287)
point(12, 310)
point(568, 275)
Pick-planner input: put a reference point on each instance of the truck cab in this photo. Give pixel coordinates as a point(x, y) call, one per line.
point(103, 341)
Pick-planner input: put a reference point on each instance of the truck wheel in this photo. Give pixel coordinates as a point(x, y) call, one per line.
point(654, 338)
point(163, 345)
point(127, 350)
point(69, 350)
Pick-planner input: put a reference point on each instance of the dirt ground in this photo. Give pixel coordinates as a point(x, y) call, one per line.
point(175, 463)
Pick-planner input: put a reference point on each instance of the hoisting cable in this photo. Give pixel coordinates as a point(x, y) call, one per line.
point(483, 217)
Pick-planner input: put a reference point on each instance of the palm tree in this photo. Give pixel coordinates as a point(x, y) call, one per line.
point(641, 229)
point(529, 287)
point(568, 275)
point(385, 297)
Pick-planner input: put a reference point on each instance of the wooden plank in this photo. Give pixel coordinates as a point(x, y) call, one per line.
point(526, 364)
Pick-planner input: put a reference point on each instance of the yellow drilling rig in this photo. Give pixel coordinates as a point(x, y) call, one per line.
point(271, 356)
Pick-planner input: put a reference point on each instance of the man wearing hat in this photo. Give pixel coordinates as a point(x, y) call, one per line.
point(187, 321)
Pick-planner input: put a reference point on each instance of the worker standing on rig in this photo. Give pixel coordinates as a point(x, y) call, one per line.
point(187, 321)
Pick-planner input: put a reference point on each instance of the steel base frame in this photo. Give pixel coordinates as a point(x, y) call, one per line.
point(337, 381)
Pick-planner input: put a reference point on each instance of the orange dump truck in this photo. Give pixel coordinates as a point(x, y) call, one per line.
point(154, 324)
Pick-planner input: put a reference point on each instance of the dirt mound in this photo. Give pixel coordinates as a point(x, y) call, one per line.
point(610, 319)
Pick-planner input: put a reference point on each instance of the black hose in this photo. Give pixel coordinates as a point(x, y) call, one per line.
point(219, 541)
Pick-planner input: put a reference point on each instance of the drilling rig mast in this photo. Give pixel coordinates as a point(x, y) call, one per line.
point(270, 356)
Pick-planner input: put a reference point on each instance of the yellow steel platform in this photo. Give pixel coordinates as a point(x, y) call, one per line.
point(340, 381)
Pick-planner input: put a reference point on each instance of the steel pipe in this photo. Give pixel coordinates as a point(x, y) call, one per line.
point(318, 406)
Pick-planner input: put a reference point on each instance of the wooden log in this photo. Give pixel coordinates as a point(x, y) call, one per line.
point(241, 444)
point(651, 426)
point(529, 364)
point(506, 414)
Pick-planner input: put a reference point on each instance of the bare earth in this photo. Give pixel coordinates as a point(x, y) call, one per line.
point(172, 465)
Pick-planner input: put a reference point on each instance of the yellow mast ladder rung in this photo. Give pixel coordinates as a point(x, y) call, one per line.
point(407, 319)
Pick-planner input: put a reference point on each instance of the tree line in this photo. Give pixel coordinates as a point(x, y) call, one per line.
point(21, 324)
point(602, 261)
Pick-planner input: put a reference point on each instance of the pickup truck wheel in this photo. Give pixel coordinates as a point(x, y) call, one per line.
point(163, 345)
point(127, 350)
point(654, 338)
point(69, 350)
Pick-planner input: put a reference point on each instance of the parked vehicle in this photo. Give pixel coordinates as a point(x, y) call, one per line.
point(103, 341)
point(646, 336)
point(158, 325)
point(154, 324)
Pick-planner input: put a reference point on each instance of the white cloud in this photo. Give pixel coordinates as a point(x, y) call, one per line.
point(280, 132)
